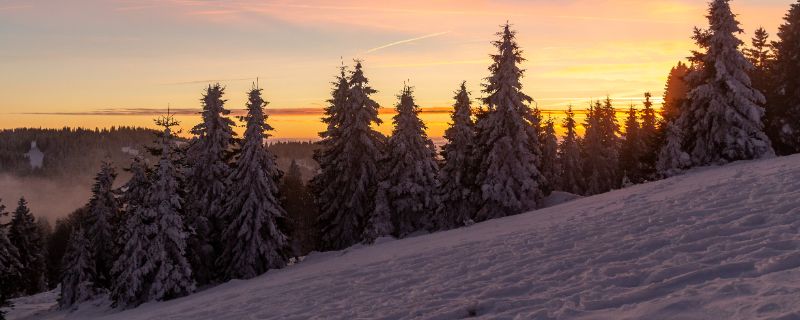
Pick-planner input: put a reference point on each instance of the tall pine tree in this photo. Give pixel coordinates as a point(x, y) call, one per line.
point(456, 177)
point(631, 149)
point(550, 163)
point(723, 115)
point(649, 134)
point(208, 154)
point(153, 266)
point(103, 210)
point(569, 157)
point(408, 176)
point(24, 236)
point(783, 114)
point(600, 157)
point(506, 143)
point(345, 187)
point(253, 242)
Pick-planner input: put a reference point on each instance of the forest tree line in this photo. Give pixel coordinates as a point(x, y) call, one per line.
point(218, 208)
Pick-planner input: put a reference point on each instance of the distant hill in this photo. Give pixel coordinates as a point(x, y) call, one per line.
point(71, 157)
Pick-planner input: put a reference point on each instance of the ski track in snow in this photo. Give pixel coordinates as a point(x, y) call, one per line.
point(716, 243)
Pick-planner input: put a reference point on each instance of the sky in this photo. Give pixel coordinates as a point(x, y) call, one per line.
point(101, 63)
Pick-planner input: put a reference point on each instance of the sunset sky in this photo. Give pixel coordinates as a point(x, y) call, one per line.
point(96, 63)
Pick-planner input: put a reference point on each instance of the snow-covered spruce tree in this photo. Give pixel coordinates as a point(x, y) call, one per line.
point(10, 266)
point(631, 149)
point(24, 236)
point(134, 192)
point(208, 156)
point(253, 242)
point(152, 265)
point(649, 135)
point(103, 210)
point(672, 160)
point(722, 115)
point(506, 159)
point(600, 156)
point(345, 187)
point(133, 196)
point(172, 276)
point(77, 281)
point(783, 114)
point(550, 163)
point(457, 177)
point(761, 55)
point(408, 175)
point(569, 157)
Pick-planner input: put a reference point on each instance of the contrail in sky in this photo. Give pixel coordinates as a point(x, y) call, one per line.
point(407, 41)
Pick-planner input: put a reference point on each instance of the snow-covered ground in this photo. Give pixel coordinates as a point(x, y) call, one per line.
point(717, 243)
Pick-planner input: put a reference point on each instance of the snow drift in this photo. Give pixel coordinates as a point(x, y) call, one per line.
point(717, 243)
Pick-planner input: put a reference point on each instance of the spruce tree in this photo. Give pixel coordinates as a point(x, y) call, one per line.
point(600, 157)
point(301, 211)
point(103, 210)
point(172, 276)
point(783, 114)
point(675, 92)
point(723, 116)
point(10, 265)
point(456, 176)
point(672, 160)
point(79, 273)
point(208, 155)
point(649, 135)
point(24, 236)
point(632, 148)
point(569, 157)
point(253, 242)
point(345, 187)
point(408, 175)
point(550, 163)
point(506, 143)
point(153, 266)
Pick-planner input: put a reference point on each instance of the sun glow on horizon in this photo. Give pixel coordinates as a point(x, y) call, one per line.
point(65, 64)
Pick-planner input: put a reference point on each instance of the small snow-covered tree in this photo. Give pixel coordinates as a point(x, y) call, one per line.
point(102, 211)
point(208, 156)
point(408, 174)
point(550, 163)
point(253, 242)
point(345, 187)
point(457, 176)
point(24, 236)
point(783, 114)
point(569, 157)
point(722, 115)
point(506, 146)
point(672, 160)
point(77, 282)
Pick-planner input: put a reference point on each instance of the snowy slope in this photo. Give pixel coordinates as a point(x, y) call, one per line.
point(717, 243)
